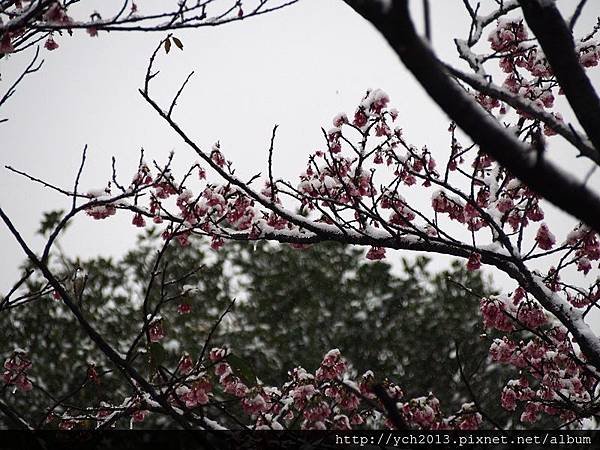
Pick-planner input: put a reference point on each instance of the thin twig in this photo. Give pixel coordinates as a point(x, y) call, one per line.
point(174, 102)
point(272, 185)
point(77, 178)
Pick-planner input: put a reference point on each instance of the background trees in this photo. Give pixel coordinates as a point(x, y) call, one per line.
point(293, 306)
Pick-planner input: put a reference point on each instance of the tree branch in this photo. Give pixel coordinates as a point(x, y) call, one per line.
point(539, 174)
point(112, 355)
point(580, 142)
point(17, 420)
point(556, 40)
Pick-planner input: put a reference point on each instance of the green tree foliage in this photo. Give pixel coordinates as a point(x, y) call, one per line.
point(292, 306)
point(405, 325)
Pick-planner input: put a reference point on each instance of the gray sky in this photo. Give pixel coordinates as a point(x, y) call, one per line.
point(297, 68)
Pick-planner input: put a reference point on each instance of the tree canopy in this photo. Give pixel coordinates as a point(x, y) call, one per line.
point(291, 307)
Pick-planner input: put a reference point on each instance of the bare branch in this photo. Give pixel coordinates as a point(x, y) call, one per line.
point(31, 68)
point(174, 102)
point(576, 14)
point(111, 354)
point(270, 162)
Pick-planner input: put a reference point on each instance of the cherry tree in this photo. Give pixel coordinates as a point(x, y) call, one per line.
point(28, 24)
point(488, 195)
point(23, 23)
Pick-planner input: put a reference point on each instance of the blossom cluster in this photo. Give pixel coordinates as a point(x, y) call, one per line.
point(327, 399)
point(54, 14)
point(529, 74)
point(555, 378)
point(15, 373)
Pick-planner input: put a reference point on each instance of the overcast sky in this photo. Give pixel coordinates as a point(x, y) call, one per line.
point(297, 68)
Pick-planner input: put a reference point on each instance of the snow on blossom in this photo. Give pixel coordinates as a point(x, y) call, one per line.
point(332, 366)
point(184, 308)
point(156, 330)
point(340, 119)
point(186, 364)
point(197, 394)
point(217, 354)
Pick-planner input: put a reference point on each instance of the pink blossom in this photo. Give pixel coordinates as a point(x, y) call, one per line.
point(92, 374)
point(518, 295)
point(376, 253)
point(535, 213)
point(234, 386)
point(340, 120)
point(382, 130)
point(138, 221)
point(223, 370)
point(186, 364)
point(216, 156)
point(56, 13)
point(255, 405)
point(217, 354)
point(101, 211)
point(16, 371)
point(531, 315)
point(504, 204)
point(474, 262)
point(584, 265)
point(302, 394)
point(360, 119)
point(509, 399)
point(216, 243)
point(494, 316)
point(332, 366)
point(531, 413)
point(50, 44)
point(317, 413)
point(139, 415)
point(156, 331)
point(544, 238)
point(198, 394)
point(184, 308)
point(470, 421)
point(502, 350)
point(22, 383)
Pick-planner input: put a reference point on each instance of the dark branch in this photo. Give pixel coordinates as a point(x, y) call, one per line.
point(111, 354)
point(556, 40)
point(390, 406)
point(542, 176)
point(578, 141)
